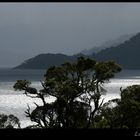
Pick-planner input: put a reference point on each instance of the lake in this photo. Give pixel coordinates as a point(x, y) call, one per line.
point(14, 102)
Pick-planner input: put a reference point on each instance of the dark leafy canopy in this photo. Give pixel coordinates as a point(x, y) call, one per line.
point(76, 87)
point(130, 106)
point(9, 121)
point(125, 113)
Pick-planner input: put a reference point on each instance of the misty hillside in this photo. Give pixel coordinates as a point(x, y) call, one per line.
point(107, 44)
point(126, 54)
point(44, 61)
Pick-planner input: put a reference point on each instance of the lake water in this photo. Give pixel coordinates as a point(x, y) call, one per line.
point(14, 102)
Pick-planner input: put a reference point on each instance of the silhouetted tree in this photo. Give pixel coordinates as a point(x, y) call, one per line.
point(125, 113)
point(130, 106)
point(77, 88)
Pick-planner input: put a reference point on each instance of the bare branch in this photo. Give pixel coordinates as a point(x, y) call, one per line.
point(31, 96)
point(36, 104)
point(101, 103)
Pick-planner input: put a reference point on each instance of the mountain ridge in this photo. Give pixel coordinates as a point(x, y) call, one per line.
point(108, 44)
point(41, 61)
point(126, 54)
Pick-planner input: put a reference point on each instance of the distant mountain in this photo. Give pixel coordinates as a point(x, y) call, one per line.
point(126, 54)
point(44, 61)
point(107, 44)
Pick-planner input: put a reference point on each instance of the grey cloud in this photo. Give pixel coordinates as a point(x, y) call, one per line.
point(27, 29)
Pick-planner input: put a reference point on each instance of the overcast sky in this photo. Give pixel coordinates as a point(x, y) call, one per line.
point(28, 29)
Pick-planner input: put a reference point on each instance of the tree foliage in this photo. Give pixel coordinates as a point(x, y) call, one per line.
point(9, 121)
point(77, 88)
point(125, 113)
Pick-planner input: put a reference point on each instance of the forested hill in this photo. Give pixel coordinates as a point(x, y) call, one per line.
point(44, 61)
point(126, 54)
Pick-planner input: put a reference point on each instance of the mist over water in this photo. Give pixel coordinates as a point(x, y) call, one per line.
point(15, 102)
